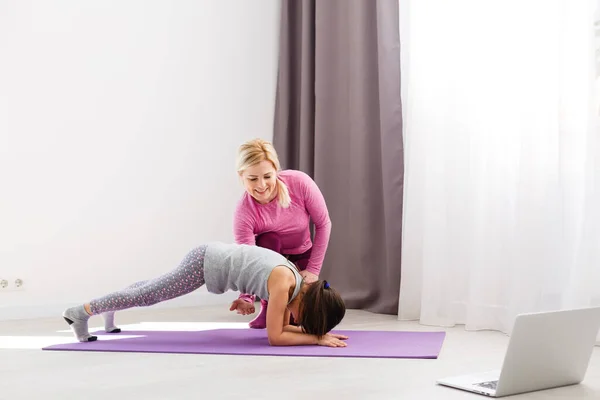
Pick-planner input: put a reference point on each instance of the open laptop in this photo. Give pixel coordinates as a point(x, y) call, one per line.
point(545, 350)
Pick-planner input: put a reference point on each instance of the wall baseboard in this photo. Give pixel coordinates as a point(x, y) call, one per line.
point(55, 310)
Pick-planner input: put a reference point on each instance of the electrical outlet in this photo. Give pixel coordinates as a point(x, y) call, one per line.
point(11, 285)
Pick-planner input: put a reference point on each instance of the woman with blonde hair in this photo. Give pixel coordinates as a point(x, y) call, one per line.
point(275, 213)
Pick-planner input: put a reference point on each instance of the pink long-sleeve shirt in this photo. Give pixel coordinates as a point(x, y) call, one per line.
point(291, 224)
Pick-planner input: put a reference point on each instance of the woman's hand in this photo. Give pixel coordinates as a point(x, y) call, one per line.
point(332, 340)
point(309, 277)
point(242, 307)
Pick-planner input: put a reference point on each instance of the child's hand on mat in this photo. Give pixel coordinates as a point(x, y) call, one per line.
point(242, 307)
point(338, 336)
point(309, 277)
point(331, 341)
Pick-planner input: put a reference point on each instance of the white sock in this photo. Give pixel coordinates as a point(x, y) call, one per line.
point(77, 318)
point(109, 322)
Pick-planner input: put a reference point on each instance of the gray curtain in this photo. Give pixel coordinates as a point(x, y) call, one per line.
point(338, 118)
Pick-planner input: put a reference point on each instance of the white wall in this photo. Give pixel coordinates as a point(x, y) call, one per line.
point(119, 123)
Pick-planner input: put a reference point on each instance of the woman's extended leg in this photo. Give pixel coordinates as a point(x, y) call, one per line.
point(186, 278)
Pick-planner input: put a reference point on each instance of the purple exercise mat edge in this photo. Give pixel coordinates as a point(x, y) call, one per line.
point(221, 341)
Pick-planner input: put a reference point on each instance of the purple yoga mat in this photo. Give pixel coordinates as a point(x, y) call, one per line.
point(370, 344)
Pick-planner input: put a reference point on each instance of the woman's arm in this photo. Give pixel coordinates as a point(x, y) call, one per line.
point(243, 233)
point(315, 205)
point(243, 225)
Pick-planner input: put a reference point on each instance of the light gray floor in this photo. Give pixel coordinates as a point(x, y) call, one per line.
point(36, 374)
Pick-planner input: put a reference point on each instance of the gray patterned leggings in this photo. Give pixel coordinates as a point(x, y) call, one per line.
point(184, 279)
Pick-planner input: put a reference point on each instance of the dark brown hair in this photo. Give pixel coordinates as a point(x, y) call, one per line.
point(321, 309)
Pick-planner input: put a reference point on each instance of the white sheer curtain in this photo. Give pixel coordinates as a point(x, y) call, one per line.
point(502, 184)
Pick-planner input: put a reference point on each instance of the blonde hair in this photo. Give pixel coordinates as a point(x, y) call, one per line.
point(258, 150)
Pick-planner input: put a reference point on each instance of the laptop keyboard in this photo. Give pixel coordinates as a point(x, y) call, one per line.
point(488, 385)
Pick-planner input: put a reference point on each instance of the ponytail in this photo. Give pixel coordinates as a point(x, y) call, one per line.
point(283, 194)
